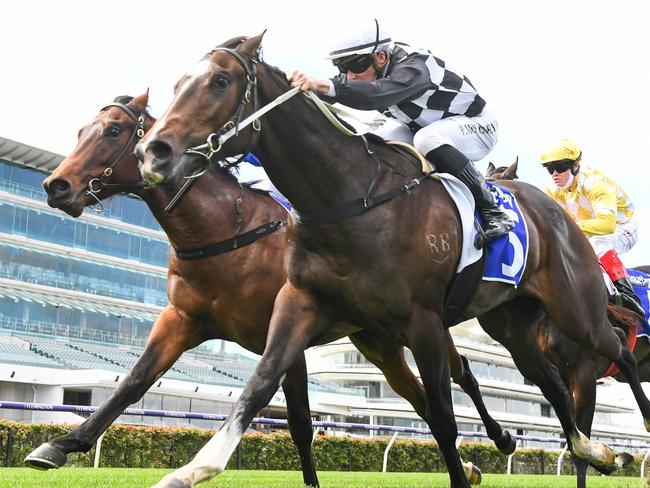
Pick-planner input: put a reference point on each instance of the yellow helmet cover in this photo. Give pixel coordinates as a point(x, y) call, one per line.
point(563, 150)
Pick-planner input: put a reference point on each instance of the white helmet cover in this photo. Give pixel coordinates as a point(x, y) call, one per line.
point(370, 39)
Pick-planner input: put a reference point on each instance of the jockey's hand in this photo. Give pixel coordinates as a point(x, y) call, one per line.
point(307, 82)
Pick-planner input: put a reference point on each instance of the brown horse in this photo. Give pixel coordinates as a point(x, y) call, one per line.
point(213, 297)
point(580, 369)
point(357, 256)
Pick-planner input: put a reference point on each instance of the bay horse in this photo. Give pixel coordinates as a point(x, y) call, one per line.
point(227, 296)
point(358, 258)
point(580, 369)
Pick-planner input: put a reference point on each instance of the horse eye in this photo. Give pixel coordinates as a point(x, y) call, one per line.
point(221, 81)
point(114, 131)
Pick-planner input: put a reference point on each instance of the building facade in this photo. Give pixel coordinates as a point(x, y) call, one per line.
point(78, 298)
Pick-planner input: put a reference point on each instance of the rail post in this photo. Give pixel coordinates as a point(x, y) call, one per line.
point(509, 466)
point(98, 450)
point(390, 444)
point(645, 458)
point(560, 459)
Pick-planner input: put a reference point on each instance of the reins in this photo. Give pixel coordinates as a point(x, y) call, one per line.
point(216, 140)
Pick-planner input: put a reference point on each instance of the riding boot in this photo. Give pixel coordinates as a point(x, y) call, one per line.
point(629, 299)
point(613, 266)
point(450, 160)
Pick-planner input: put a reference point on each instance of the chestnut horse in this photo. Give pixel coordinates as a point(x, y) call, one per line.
point(578, 368)
point(216, 297)
point(357, 257)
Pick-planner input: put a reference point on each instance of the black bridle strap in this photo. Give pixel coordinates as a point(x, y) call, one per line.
point(138, 131)
point(355, 207)
point(95, 185)
point(230, 244)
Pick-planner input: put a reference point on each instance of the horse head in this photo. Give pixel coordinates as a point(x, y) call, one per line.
point(503, 172)
point(102, 163)
point(211, 98)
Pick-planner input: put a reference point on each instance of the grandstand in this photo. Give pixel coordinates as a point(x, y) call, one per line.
point(78, 298)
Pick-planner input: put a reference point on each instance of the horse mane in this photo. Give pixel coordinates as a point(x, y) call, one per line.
point(229, 44)
point(126, 99)
point(283, 78)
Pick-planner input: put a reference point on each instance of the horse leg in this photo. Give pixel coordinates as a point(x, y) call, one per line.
point(585, 322)
point(389, 358)
point(299, 417)
point(515, 325)
point(293, 325)
point(582, 383)
point(171, 335)
point(642, 355)
point(426, 339)
point(463, 377)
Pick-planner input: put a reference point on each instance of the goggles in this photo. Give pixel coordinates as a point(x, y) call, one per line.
point(356, 64)
point(560, 166)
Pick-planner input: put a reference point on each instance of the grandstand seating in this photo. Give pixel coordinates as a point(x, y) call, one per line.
point(16, 354)
point(226, 369)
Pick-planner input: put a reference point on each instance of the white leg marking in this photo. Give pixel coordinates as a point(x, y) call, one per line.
point(211, 460)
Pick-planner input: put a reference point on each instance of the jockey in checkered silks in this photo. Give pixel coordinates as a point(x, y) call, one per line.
point(439, 111)
point(600, 207)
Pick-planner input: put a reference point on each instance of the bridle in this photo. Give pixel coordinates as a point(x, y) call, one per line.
point(231, 128)
point(316, 217)
point(95, 185)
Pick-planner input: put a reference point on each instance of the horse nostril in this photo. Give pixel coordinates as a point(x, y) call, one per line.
point(57, 187)
point(159, 150)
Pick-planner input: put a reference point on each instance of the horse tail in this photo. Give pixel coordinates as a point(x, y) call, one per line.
point(623, 319)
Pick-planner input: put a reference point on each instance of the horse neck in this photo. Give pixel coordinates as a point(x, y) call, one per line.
point(207, 213)
point(305, 156)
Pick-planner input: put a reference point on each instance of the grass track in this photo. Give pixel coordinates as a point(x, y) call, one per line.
point(143, 478)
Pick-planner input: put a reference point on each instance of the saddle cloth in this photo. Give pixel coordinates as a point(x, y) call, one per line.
point(506, 256)
point(641, 284)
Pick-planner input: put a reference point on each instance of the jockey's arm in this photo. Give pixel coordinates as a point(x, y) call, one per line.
point(408, 80)
point(603, 202)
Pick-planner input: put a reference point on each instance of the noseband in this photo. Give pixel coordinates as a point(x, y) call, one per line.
point(95, 185)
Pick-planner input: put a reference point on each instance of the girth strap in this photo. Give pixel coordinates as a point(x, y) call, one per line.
point(230, 244)
point(355, 207)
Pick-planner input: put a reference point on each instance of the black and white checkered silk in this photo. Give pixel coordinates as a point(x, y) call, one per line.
point(449, 93)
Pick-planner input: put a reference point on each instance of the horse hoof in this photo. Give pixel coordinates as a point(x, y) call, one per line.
point(172, 483)
point(176, 483)
point(623, 459)
point(506, 444)
point(603, 459)
point(46, 456)
point(473, 474)
point(647, 425)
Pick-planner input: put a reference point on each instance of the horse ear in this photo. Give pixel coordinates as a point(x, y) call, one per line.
point(141, 101)
point(511, 172)
point(251, 46)
point(490, 168)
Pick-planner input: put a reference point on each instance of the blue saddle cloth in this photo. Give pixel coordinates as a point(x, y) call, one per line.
point(641, 284)
point(507, 255)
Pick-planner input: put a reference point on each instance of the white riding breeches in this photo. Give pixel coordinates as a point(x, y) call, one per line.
point(621, 241)
point(473, 136)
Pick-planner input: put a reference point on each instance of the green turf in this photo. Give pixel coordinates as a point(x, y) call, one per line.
point(142, 478)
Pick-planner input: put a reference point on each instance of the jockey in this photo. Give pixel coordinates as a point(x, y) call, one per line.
point(440, 111)
point(600, 207)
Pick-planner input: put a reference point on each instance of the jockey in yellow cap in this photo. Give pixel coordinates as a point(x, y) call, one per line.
point(600, 207)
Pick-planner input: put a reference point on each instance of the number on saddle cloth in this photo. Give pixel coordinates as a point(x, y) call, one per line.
point(641, 285)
